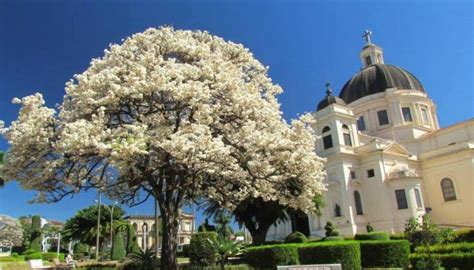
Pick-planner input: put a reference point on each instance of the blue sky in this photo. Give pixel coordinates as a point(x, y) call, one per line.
point(305, 43)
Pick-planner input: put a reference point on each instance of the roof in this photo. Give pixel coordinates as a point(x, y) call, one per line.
point(376, 79)
point(328, 100)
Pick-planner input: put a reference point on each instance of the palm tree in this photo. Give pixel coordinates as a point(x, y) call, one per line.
point(224, 249)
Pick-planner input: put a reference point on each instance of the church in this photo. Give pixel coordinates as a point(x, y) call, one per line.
point(387, 159)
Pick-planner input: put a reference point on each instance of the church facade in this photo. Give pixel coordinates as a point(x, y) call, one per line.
point(387, 159)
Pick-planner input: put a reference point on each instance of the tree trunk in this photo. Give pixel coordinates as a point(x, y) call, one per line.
point(169, 244)
point(258, 235)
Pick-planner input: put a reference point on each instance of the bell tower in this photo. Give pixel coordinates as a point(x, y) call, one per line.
point(371, 54)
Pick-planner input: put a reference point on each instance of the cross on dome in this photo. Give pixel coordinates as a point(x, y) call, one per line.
point(366, 35)
point(328, 89)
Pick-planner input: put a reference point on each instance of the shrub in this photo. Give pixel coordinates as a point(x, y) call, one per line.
point(374, 236)
point(369, 228)
point(347, 253)
point(33, 256)
point(29, 251)
point(12, 259)
point(331, 229)
point(398, 236)
point(132, 244)
point(201, 249)
point(215, 267)
point(78, 256)
point(35, 238)
point(385, 254)
point(333, 238)
point(464, 235)
point(448, 261)
point(118, 247)
point(269, 257)
point(50, 256)
point(447, 248)
point(296, 237)
point(81, 248)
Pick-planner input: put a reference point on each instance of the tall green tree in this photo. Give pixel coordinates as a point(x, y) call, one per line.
point(35, 238)
point(2, 181)
point(223, 225)
point(83, 226)
point(118, 251)
point(132, 243)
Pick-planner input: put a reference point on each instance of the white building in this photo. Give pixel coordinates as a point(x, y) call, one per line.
point(387, 158)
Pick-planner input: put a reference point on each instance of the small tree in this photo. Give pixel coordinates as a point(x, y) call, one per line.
point(35, 238)
point(132, 244)
point(225, 248)
point(11, 233)
point(425, 235)
point(223, 228)
point(330, 229)
point(118, 251)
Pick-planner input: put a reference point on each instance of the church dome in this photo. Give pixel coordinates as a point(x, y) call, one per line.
point(329, 99)
point(377, 78)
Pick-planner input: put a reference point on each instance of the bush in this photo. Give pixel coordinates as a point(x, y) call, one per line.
point(385, 254)
point(50, 256)
point(132, 244)
point(35, 238)
point(78, 256)
point(448, 261)
point(374, 236)
point(269, 257)
point(347, 253)
point(333, 238)
point(118, 247)
point(398, 236)
point(201, 249)
point(12, 259)
point(29, 251)
point(215, 267)
point(34, 256)
point(447, 248)
point(331, 229)
point(296, 237)
point(464, 235)
point(81, 248)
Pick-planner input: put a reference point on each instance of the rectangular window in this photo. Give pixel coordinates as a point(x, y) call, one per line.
point(368, 60)
point(407, 114)
point(361, 123)
point(327, 141)
point(353, 175)
point(419, 203)
point(370, 173)
point(383, 117)
point(402, 202)
point(347, 139)
point(425, 116)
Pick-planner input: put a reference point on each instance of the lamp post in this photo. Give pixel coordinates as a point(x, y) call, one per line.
point(111, 209)
point(98, 227)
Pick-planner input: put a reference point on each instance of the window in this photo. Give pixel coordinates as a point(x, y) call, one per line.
point(353, 175)
point(425, 115)
point(447, 187)
point(347, 135)
point(337, 210)
point(419, 203)
point(407, 114)
point(383, 117)
point(327, 139)
point(358, 203)
point(368, 60)
point(361, 123)
point(401, 199)
point(370, 173)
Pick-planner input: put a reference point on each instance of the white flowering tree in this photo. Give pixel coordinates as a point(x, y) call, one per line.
point(176, 115)
point(11, 233)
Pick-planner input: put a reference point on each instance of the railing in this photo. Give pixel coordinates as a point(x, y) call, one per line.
point(402, 174)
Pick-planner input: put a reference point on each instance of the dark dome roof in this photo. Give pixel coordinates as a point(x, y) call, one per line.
point(328, 100)
point(376, 79)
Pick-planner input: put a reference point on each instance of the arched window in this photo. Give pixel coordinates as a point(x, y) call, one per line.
point(361, 123)
point(358, 203)
point(135, 227)
point(346, 133)
point(447, 187)
point(327, 138)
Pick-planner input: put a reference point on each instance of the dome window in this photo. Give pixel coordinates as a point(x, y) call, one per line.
point(425, 115)
point(407, 114)
point(383, 117)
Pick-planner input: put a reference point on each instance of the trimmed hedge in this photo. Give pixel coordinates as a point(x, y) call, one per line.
point(296, 237)
point(347, 253)
point(201, 249)
point(447, 248)
point(398, 236)
point(449, 261)
point(269, 257)
point(333, 238)
point(372, 236)
point(50, 256)
point(464, 235)
point(12, 259)
point(34, 256)
point(385, 254)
